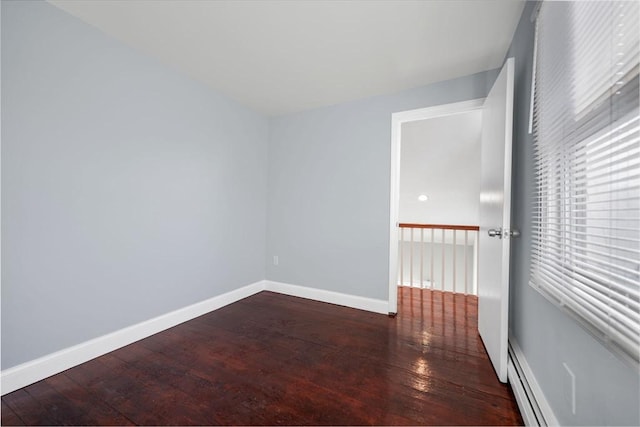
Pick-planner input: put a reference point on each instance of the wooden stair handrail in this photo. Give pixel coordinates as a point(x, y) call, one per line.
point(440, 226)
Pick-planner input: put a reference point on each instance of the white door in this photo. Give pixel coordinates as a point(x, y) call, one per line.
point(495, 219)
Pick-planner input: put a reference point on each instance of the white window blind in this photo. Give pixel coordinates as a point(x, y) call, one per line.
point(586, 125)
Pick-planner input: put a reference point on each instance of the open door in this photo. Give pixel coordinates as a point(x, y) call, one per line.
point(495, 219)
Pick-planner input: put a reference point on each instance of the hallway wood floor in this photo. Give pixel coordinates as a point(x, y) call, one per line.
point(272, 359)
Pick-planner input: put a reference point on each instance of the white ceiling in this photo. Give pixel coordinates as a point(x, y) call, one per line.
point(280, 57)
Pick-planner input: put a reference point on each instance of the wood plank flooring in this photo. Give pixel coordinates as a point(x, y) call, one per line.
point(272, 359)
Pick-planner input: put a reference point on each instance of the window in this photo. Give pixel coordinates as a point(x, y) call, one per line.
point(586, 125)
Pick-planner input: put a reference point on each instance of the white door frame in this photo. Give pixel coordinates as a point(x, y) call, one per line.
point(397, 119)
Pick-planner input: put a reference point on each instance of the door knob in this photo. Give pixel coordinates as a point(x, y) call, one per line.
point(500, 233)
point(495, 232)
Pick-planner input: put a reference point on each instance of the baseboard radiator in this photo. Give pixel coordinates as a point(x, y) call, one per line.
point(529, 406)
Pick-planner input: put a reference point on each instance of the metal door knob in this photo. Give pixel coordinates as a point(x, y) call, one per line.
point(500, 233)
point(495, 232)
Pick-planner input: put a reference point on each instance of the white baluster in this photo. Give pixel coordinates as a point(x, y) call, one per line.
point(421, 257)
point(411, 260)
point(443, 250)
point(454, 261)
point(466, 267)
point(432, 247)
point(401, 256)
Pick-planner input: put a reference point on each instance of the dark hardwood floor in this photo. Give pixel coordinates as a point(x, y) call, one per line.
point(272, 359)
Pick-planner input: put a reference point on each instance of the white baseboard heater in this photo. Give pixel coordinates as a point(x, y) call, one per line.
point(533, 406)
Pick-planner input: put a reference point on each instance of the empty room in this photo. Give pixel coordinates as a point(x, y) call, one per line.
point(375, 212)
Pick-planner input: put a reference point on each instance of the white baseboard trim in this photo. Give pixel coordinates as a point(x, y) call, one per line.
point(38, 369)
point(35, 370)
point(353, 301)
point(534, 407)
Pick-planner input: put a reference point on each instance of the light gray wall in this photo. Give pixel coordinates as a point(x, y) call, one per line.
point(440, 158)
point(328, 210)
point(608, 391)
point(128, 190)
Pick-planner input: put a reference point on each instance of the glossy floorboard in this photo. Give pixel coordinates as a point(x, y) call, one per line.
point(272, 359)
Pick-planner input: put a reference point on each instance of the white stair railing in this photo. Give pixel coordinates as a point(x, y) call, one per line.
point(445, 258)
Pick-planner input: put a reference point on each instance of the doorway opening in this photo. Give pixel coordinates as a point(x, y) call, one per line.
point(433, 218)
point(494, 228)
